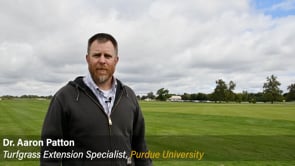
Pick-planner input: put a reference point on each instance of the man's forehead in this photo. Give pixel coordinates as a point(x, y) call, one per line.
point(102, 46)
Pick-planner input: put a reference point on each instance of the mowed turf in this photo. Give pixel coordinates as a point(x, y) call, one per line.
point(228, 134)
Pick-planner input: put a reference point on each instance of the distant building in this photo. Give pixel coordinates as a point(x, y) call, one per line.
point(175, 98)
point(148, 99)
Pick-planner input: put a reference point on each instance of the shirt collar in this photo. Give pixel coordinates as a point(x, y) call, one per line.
point(91, 84)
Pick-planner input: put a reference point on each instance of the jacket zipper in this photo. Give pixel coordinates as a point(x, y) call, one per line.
point(110, 123)
point(109, 116)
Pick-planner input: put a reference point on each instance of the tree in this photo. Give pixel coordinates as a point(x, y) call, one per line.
point(138, 97)
point(194, 96)
point(245, 96)
point(186, 96)
point(219, 93)
point(163, 94)
point(202, 96)
point(224, 92)
point(291, 94)
point(230, 91)
point(151, 95)
point(239, 97)
point(271, 89)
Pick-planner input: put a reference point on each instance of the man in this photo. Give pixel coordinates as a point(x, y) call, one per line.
point(96, 119)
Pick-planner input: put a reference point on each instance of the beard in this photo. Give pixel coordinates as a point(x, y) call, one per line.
point(102, 79)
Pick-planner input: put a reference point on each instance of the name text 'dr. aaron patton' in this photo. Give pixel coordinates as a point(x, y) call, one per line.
point(35, 143)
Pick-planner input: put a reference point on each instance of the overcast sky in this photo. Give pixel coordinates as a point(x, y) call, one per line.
point(184, 46)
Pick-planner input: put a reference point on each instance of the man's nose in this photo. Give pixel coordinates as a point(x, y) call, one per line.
point(102, 59)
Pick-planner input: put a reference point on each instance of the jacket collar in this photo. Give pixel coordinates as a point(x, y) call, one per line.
point(79, 84)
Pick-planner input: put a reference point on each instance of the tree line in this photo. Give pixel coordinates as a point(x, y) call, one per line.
point(26, 97)
point(224, 92)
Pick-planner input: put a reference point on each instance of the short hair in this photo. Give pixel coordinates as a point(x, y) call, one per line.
point(102, 37)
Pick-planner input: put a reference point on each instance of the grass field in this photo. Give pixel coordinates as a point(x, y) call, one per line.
point(228, 134)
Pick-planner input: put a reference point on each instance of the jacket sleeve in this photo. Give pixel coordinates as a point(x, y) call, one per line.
point(138, 140)
point(52, 129)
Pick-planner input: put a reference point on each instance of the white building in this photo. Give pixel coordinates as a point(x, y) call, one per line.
point(175, 98)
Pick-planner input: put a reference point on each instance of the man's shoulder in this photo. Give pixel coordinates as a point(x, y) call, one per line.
point(124, 86)
point(68, 87)
point(128, 90)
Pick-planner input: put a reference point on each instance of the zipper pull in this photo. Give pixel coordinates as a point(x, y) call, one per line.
point(110, 121)
point(129, 161)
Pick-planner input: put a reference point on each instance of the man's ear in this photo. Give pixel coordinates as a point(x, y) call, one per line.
point(117, 59)
point(87, 58)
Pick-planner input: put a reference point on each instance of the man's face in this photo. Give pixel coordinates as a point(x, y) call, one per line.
point(102, 60)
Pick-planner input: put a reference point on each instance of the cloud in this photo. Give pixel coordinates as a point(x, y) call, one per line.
point(181, 46)
point(284, 5)
point(275, 9)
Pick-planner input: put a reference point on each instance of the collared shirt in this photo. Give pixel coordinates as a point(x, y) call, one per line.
point(105, 97)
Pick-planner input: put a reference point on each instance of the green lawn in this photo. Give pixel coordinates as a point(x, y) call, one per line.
point(228, 134)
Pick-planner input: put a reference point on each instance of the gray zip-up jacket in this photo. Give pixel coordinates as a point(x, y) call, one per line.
point(76, 115)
